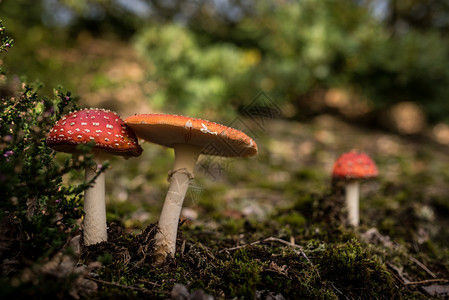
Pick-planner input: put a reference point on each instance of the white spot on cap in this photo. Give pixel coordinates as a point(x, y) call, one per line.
point(83, 123)
point(109, 126)
point(79, 136)
point(207, 130)
point(86, 130)
point(72, 123)
point(98, 131)
point(106, 139)
point(96, 124)
point(204, 129)
point(189, 124)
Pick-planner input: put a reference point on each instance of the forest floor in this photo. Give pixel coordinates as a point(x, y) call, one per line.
point(256, 228)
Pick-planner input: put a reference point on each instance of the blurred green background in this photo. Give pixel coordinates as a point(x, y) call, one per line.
point(209, 58)
point(373, 64)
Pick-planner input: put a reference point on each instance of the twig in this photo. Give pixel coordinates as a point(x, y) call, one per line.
point(338, 291)
point(240, 247)
point(270, 239)
point(154, 284)
point(423, 267)
point(288, 244)
point(209, 255)
point(400, 275)
point(426, 281)
point(128, 287)
point(405, 281)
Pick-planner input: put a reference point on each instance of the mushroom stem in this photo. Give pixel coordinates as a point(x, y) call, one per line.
point(352, 202)
point(186, 157)
point(180, 177)
point(94, 225)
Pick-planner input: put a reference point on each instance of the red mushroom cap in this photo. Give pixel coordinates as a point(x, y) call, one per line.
point(213, 138)
point(354, 165)
point(103, 127)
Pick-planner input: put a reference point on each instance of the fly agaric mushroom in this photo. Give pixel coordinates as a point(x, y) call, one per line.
point(111, 136)
point(352, 167)
point(189, 137)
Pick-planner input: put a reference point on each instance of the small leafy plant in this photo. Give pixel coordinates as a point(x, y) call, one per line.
point(6, 43)
point(39, 213)
point(31, 179)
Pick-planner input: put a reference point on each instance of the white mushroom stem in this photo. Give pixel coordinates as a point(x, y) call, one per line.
point(352, 202)
point(94, 225)
point(180, 177)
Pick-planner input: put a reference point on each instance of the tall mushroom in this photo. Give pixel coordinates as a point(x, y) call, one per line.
point(352, 167)
point(189, 137)
point(111, 136)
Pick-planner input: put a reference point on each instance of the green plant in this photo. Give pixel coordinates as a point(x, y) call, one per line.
point(34, 200)
point(38, 212)
point(6, 43)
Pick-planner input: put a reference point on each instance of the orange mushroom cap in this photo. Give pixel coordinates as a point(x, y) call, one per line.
point(103, 127)
point(213, 139)
point(354, 165)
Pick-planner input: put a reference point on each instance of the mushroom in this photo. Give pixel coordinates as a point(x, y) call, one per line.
point(111, 136)
point(189, 137)
point(352, 167)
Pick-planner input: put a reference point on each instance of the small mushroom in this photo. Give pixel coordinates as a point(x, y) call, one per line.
point(111, 136)
point(352, 167)
point(189, 137)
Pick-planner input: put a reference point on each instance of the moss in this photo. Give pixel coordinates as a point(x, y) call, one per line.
point(355, 271)
point(241, 274)
point(293, 223)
